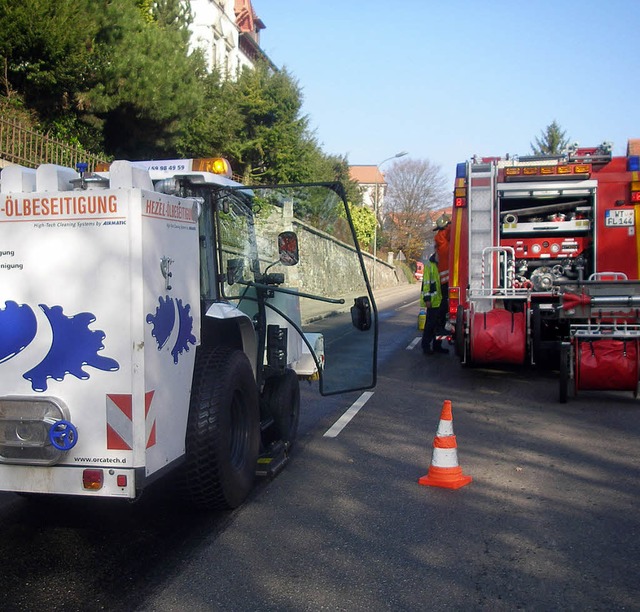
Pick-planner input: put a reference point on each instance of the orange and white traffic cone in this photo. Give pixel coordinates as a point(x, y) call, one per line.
point(444, 470)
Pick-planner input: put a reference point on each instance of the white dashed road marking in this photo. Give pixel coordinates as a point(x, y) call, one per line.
point(344, 420)
point(413, 343)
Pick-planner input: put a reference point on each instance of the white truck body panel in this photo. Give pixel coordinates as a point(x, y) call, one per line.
point(82, 277)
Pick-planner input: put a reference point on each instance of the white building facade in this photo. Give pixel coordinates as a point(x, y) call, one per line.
point(228, 31)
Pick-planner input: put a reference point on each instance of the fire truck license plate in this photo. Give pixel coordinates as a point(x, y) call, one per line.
point(617, 217)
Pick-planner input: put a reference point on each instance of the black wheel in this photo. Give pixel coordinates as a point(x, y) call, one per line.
point(565, 356)
point(223, 430)
point(282, 403)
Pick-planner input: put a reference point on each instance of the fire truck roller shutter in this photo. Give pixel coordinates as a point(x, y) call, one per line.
point(498, 336)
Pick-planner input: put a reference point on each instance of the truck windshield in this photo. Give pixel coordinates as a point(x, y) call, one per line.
point(315, 294)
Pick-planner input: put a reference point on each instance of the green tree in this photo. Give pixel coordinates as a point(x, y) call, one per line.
point(364, 223)
point(118, 77)
point(216, 124)
point(173, 15)
point(149, 84)
point(256, 122)
point(274, 139)
point(47, 52)
point(116, 73)
point(552, 141)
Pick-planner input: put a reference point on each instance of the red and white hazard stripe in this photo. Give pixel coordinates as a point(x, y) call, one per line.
point(445, 448)
point(120, 421)
point(150, 419)
point(445, 452)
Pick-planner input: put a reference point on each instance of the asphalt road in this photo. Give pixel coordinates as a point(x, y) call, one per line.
point(550, 520)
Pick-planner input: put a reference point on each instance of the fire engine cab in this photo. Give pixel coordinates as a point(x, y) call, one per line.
point(544, 265)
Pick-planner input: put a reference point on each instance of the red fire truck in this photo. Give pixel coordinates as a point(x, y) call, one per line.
point(545, 265)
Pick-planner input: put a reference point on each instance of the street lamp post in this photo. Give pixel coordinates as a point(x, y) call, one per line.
point(376, 200)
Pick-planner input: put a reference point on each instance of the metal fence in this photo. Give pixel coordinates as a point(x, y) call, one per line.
point(24, 146)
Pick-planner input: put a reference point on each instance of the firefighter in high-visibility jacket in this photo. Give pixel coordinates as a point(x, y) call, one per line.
point(431, 299)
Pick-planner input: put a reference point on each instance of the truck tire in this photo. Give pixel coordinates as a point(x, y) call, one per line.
point(282, 399)
point(223, 430)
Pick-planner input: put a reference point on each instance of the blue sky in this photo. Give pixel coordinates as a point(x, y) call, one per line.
point(450, 79)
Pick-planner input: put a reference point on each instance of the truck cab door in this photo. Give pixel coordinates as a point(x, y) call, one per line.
point(291, 252)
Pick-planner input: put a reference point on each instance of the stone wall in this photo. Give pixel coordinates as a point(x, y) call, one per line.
point(344, 273)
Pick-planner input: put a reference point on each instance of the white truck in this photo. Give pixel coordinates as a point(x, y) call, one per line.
point(155, 319)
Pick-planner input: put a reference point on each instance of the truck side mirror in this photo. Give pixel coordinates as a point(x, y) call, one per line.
point(235, 270)
point(222, 205)
point(361, 313)
point(288, 248)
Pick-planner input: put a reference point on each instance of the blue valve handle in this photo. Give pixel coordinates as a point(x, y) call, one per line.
point(63, 435)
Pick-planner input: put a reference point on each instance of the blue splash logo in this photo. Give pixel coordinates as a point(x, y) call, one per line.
point(164, 322)
point(18, 324)
point(73, 347)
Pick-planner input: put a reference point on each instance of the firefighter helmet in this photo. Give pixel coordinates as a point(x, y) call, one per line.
point(442, 221)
